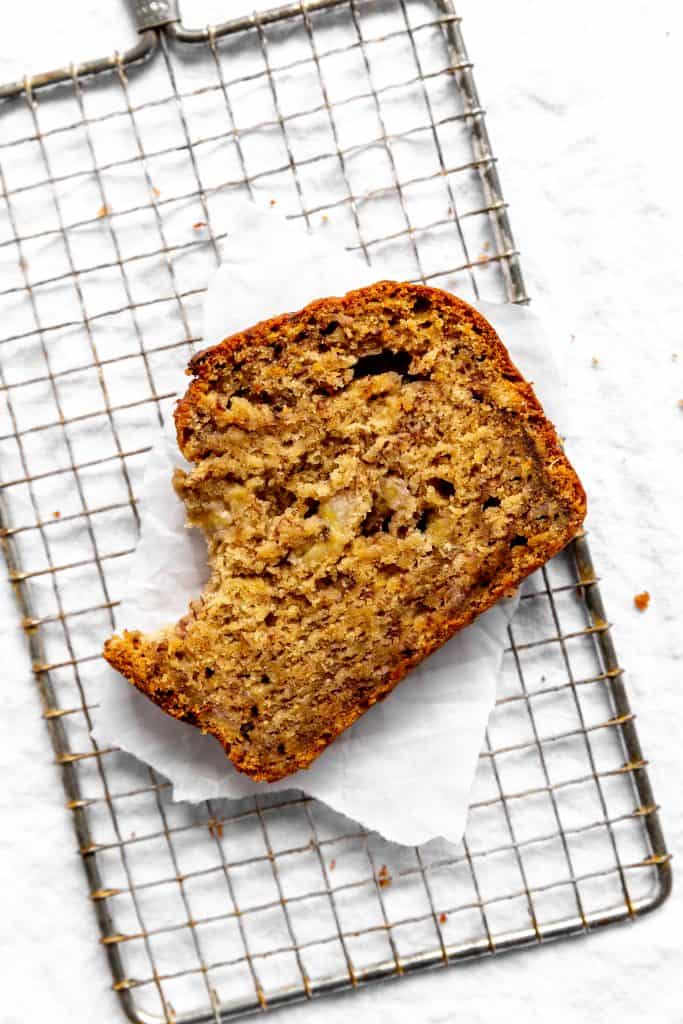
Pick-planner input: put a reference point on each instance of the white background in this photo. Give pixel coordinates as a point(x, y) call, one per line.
point(583, 106)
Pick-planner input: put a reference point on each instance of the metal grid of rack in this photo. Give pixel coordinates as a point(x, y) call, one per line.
point(362, 118)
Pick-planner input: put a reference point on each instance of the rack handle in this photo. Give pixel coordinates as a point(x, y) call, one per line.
point(155, 13)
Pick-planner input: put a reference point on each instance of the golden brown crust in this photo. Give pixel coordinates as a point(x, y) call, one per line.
point(134, 659)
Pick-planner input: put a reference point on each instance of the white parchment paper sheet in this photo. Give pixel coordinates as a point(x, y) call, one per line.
point(405, 768)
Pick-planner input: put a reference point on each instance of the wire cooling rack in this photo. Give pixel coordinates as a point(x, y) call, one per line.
point(363, 119)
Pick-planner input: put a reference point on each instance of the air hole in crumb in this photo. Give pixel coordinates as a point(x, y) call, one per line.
point(254, 711)
point(422, 304)
point(378, 520)
point(261, 398)
point(312, 506)
point(270, 619)
point(390, 570)
point(208, 672)
point(329, 328)
point(265, 678)
point(279, 497)
point(385, 361)
point(492, 503)
point(518, 541)
point(423, 521)
point(277, 351)
point(477, 396)
point(443, 487)
point(246, 728)
point(280, 748)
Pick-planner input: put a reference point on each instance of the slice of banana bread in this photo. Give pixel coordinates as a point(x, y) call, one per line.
point(371, 473)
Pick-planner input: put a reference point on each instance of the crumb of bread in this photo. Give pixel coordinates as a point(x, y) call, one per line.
point(215, 828)
point(104, 211)
point(641, 601)
point(199, 225)
point(273, 202)
point(595, 361)
point(443, 918)
point(384, 877)
point(333, 864)
point(156, 191)
point(57, 514)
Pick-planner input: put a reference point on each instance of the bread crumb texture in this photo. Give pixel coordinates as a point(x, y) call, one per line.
point(370, 473)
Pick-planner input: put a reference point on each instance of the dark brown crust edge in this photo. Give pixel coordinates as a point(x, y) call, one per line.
point(123, 652)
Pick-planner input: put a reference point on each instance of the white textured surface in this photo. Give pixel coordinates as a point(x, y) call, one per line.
point(583, 115)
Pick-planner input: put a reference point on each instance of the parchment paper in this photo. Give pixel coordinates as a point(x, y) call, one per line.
point(406, 767)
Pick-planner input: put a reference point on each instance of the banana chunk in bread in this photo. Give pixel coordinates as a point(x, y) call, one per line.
point(371, 473)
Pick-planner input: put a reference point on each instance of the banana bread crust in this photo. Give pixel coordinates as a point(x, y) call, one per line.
point(500, 392)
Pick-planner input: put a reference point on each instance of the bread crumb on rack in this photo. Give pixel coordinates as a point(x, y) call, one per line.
point(215, 828)
point(104, 211)
point(200, 225)
point(642, 600)
point(443, 918)
point(384, 877)
point(595, 361)
point(483, 257)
